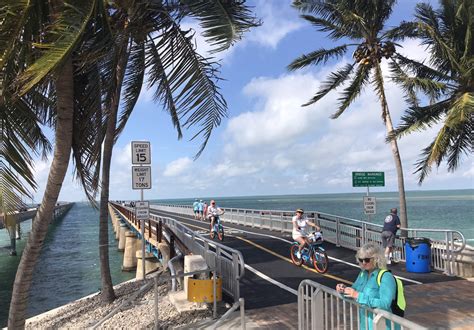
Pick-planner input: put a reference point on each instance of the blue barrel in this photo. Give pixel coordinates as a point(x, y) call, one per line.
point(418, 254)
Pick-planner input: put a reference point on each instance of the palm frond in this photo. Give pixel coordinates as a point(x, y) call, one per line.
point(335, 30)
point(191, 79)
point(420, 118)
point(401, 32)
point(317, 57)
point(164, 90)
point(132, 84)
point(420, 69)
point(350, 93)
point(413, 84)
point(334, 80)
point(63, 36)
point(224, 22)
point(12, 15)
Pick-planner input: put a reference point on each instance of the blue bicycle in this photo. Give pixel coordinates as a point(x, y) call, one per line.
point(217, 229)
point(314, 253)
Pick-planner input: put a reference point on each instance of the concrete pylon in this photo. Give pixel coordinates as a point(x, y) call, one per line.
point(165, 253)
point(121, 243)
point(129, 256)
point(151, 264)
point(117, 228)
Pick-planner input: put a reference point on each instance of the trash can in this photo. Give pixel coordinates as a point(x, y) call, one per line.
point(418, 254)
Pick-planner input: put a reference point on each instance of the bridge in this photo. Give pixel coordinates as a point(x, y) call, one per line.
point(260, 270)
point(12, 221)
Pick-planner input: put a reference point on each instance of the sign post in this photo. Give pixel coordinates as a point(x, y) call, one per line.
point(368, 179)
point(141, 179)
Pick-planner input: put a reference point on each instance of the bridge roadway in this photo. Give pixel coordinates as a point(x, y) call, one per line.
point(271, 281)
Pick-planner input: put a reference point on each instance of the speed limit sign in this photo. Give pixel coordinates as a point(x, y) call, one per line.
point(141, 152)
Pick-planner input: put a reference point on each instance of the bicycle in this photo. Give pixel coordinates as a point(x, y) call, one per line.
point(218, 228)
point(314, 253)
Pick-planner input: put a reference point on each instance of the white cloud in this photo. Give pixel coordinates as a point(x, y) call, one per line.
point(178, 166)
point(277, 20)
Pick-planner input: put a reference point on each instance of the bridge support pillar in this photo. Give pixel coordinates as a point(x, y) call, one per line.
point(151, 264)
point(117, 228)
point(18, 231)
point(165, 253)
point(121, 243)
point(129, 256)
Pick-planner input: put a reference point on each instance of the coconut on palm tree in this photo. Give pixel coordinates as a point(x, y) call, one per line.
point(362, 24)
point(447, 80)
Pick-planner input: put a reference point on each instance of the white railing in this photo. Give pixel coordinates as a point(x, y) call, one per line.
point(228, 262)
point(346, 232)
point(320, 308)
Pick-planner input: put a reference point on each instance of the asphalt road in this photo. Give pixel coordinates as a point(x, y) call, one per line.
point(272, 279)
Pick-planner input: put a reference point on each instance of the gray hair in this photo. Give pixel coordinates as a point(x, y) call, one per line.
point(371, 250)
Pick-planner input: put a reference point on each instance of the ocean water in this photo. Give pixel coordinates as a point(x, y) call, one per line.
point(68, 268)
point(441, 209)
point(69, 264)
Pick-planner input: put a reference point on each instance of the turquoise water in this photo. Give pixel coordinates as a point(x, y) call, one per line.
point(69, 264)
point(68, 268)
point(442, 209)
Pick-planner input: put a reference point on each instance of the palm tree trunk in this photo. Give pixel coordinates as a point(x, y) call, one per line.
point(107, 293)
point(57, 172)
point(395, 152)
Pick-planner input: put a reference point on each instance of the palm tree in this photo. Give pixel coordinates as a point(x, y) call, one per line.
point(47, 34)
point(149, 37)
point(447, 80)
point(362, 24)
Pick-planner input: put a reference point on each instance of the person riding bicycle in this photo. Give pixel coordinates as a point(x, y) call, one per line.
point(213, 212)
point(300, 226)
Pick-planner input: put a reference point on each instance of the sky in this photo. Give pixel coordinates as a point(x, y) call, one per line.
point(269, 144)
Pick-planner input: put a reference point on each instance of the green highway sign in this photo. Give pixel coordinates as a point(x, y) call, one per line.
point(368, 179)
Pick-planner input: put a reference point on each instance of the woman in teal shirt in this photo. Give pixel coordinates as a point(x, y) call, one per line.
point(365, 289)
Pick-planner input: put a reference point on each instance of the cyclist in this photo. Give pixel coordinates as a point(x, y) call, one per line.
point(213, 212)
point(300, 234)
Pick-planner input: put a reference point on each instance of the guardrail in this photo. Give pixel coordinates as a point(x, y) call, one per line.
point(320, 307)
point(346, 232)
point(228, 262)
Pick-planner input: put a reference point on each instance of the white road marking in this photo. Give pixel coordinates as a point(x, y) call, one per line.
point(271, 280)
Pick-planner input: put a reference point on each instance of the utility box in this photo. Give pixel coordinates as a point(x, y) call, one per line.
point(203, 291)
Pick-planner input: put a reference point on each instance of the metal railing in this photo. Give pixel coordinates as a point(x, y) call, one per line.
point(228, 262)
point(345, 232)
point(320, 308)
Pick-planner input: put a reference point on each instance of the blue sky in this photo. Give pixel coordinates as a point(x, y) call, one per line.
point(269, 144)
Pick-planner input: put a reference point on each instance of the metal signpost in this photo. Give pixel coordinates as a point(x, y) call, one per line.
point(368, 179)
point(141, 179)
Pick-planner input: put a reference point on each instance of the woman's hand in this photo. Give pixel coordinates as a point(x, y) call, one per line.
point(351, 293)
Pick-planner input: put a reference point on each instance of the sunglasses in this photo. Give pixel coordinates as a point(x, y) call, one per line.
point(366, 260)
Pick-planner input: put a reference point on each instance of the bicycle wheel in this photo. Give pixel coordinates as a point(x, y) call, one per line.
point(220, 233)
point(212, 233)
point(297, 261)
point(320, 261)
